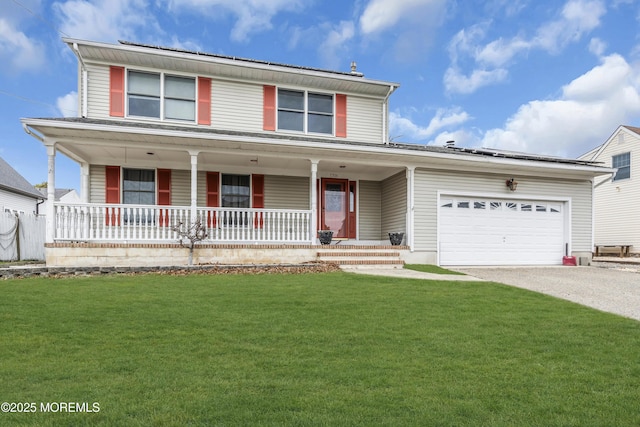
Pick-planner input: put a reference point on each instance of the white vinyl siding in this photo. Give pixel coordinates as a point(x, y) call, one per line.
point(370, 210)
point(364, 119)
point(428, 183)
point(97, 184)
point(236, 106)
point(181, 188)
point(18, 203)
point(617, 202)
point(286, 192)
point(394, 204)
point(98, 89)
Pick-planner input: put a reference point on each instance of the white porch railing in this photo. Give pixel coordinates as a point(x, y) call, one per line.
point(110, 222)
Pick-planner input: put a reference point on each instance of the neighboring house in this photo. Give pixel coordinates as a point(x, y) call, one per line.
point(266, 154)
point(62, 195)
point(616, 220)
point(16, 194)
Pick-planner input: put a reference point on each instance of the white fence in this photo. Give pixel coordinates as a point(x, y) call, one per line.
point(110, 222)
point(22, 237)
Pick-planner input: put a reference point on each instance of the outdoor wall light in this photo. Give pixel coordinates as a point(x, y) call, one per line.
point(512, 184)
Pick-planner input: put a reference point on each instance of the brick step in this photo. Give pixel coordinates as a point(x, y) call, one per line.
point(361, 258)
point(357, 254)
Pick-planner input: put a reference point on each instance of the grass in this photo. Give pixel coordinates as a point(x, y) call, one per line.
point(428, 268)
point(321, 349)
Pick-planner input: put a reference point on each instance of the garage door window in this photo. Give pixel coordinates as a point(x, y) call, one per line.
point(496, 205)
point(479, 205)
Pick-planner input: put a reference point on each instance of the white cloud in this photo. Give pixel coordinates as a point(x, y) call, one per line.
point(590, 106)
point(103, 20)
point(577, 18)
point(251, 16)
point(456, 82)
point(597, 46)
point(380, 15)
point(18, 52)
point(413, 22)
point(405, 130)
point(68, 104)
point(335, 43)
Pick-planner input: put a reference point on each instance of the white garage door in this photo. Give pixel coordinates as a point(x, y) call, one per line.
point(484, 231)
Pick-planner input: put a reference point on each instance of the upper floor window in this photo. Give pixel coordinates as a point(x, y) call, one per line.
point(161, 96)
point(305, 111)
point(623, 163)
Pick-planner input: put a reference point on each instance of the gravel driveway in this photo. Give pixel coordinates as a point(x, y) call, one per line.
point(611, 288)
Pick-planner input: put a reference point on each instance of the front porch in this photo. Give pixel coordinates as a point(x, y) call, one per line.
point(94, 222)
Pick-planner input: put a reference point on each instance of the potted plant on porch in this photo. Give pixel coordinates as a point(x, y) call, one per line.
point(396, 238)
point(325, 236)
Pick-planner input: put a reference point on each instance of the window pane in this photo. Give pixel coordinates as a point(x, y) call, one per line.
point(320, 103)
point(290, 121)
point(144, 83)
point(236, 191)
point(179, 110)
point(138, 187)
point(290, 100)
point(180, 88)
point(623, 163)
point(320, 123)
point(143, 106)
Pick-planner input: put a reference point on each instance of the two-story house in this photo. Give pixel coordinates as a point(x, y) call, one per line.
point(616, 222)
point(265, 155)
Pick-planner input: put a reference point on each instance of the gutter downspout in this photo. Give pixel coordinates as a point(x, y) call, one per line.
point(385, 115)
point(85, 83)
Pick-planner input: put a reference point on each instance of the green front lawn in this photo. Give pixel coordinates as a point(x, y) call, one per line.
point(312, 349)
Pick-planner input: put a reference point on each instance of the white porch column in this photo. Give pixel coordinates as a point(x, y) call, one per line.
point(314, 200)
point(410, 206)
point(84, 182)
point(51, 190)
point(194, 185)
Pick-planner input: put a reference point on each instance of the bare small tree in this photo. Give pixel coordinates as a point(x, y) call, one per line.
point(190, 235)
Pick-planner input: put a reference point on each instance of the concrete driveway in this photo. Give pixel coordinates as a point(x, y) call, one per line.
point(613, 289)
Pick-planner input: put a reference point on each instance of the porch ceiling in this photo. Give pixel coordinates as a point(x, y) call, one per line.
point(127, 143)
point(94, 146)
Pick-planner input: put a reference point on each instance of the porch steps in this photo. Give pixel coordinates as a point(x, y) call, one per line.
point(357, 257)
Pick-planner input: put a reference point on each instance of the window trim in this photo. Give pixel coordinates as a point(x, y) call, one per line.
point(162, 97)
point(306, 112)
point(627, 166)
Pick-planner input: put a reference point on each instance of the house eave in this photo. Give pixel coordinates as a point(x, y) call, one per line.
point(229, 67)
point(397, 155)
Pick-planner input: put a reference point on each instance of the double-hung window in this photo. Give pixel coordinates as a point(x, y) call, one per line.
point(236, 193)
point(305, 111)
point(623, 163)
point(161, 96)
point(138, 188)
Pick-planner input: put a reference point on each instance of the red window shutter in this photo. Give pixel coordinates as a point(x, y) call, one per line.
point(112, 179)
point(112, 194)
point(341, 115)
point(213, 200)
point(116, 92)
point(164, 195)
point(257, 190)
point(257, 198)
point(204, 101)
point(164, 186)
point(269, 108)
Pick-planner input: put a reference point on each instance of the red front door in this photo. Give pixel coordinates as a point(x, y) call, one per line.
point(334, 216)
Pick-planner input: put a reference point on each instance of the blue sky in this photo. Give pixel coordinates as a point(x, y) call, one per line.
point(540, 76)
